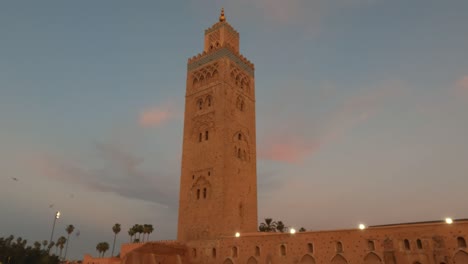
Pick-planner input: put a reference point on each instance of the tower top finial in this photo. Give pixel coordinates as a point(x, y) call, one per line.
point(222, 18)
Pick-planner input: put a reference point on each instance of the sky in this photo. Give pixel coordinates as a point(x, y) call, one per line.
point(361, 112)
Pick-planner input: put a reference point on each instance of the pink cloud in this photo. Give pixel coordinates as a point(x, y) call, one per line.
point(156, 116)
point(329, 129)
point(462, 84)
point(286, 151)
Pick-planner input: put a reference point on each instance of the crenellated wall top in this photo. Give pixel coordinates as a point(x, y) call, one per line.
point(225, 50)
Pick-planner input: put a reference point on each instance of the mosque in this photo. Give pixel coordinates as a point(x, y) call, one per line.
point(218, 188)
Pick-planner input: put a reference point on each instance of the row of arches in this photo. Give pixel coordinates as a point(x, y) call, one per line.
point(204, 103)
point(205, 75)
point(241, 153)
point(240, 79)
point(461, 243)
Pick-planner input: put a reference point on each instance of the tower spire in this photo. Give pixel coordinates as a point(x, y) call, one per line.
point(222, 18)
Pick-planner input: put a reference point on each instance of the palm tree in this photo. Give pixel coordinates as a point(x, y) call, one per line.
point(116, 230)
point(131, 233)
point(140, 231)
point(102, 247)
point(37, 245)
point(61, 242)
point(45, 243)
point(51, 245)
point(149, 231)
point(268, 226)
point(280, 226)
point(302, 229)
point(99, 248)
point(69, 229)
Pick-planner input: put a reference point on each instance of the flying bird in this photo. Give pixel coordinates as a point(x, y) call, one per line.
point(15, 179)
point(51, 205)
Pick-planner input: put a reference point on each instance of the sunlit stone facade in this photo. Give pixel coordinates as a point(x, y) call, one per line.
point(218, 192)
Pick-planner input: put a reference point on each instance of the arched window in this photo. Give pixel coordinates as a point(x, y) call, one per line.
point(419, 244)
point(407, 244)
point(198, 194)
point(234, 252)
point(310, 247)
point(461, 242)
point(339, 247)
point(213, 252)
point(200, 104)
point(204, 193)
point(239, 153)
point(257, 251)
point(209, 173)
point(200, 136)
point(370, 245)
point(283, 250)
point(194, 252)
point(193, 177)
point(206, 135)
point(208, 101)
point(239, 136)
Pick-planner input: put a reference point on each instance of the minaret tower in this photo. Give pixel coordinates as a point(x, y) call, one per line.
point(218, 183)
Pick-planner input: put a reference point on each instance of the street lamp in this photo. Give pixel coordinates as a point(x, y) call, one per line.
point(237, 234)
point(57, 216)
point(292, 231)
point(362, 226)
point(448, 220)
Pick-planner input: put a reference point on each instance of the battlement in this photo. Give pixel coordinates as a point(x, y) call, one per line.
point(225, 50)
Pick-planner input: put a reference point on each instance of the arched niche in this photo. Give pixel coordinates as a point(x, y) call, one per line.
point(307, 259)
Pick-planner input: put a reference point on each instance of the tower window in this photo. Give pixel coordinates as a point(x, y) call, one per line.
point(461, 242)
point(370, 245)
point(213, 252)
point(419, 244)
point(234, 252)
point(339, 247)
point(204, 193)
point(257, 251)
point(200, 104)
point(198, 194)
point(208, 101)
point(209, 173)
point(239, 136)
point(310, 247)
point(193, 177)
point(206, 135)
point(200, 136)
point(194, 252)
point(407, 244)
point(283, 250)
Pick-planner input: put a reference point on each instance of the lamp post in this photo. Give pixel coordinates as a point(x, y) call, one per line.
point(57, 216)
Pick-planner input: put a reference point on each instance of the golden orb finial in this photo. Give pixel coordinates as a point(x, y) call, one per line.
point(222, 18)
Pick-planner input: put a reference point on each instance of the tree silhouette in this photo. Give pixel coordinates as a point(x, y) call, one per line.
point(116, 229)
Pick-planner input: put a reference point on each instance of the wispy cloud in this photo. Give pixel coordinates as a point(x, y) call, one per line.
point(462, 84)
point(121, 175)
point(302, 140)
point(155, 116)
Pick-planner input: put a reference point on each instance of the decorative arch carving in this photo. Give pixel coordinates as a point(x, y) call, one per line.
point(461, 257)
point(339, 259)
point(307, 259)
point(240, 103)
point(205, 75)
point(252, 260)
point(241, 146)
point(228, 261)
point(372, 258)
point(201, 189)
point(240, 79)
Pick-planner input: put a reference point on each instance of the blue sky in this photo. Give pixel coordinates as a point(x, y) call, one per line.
point(361, 111)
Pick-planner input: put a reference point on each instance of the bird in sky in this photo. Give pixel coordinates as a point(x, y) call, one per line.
point(51, 205)
point(15, 179)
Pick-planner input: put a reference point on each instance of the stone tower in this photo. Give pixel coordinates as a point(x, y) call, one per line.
point(218, 183)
